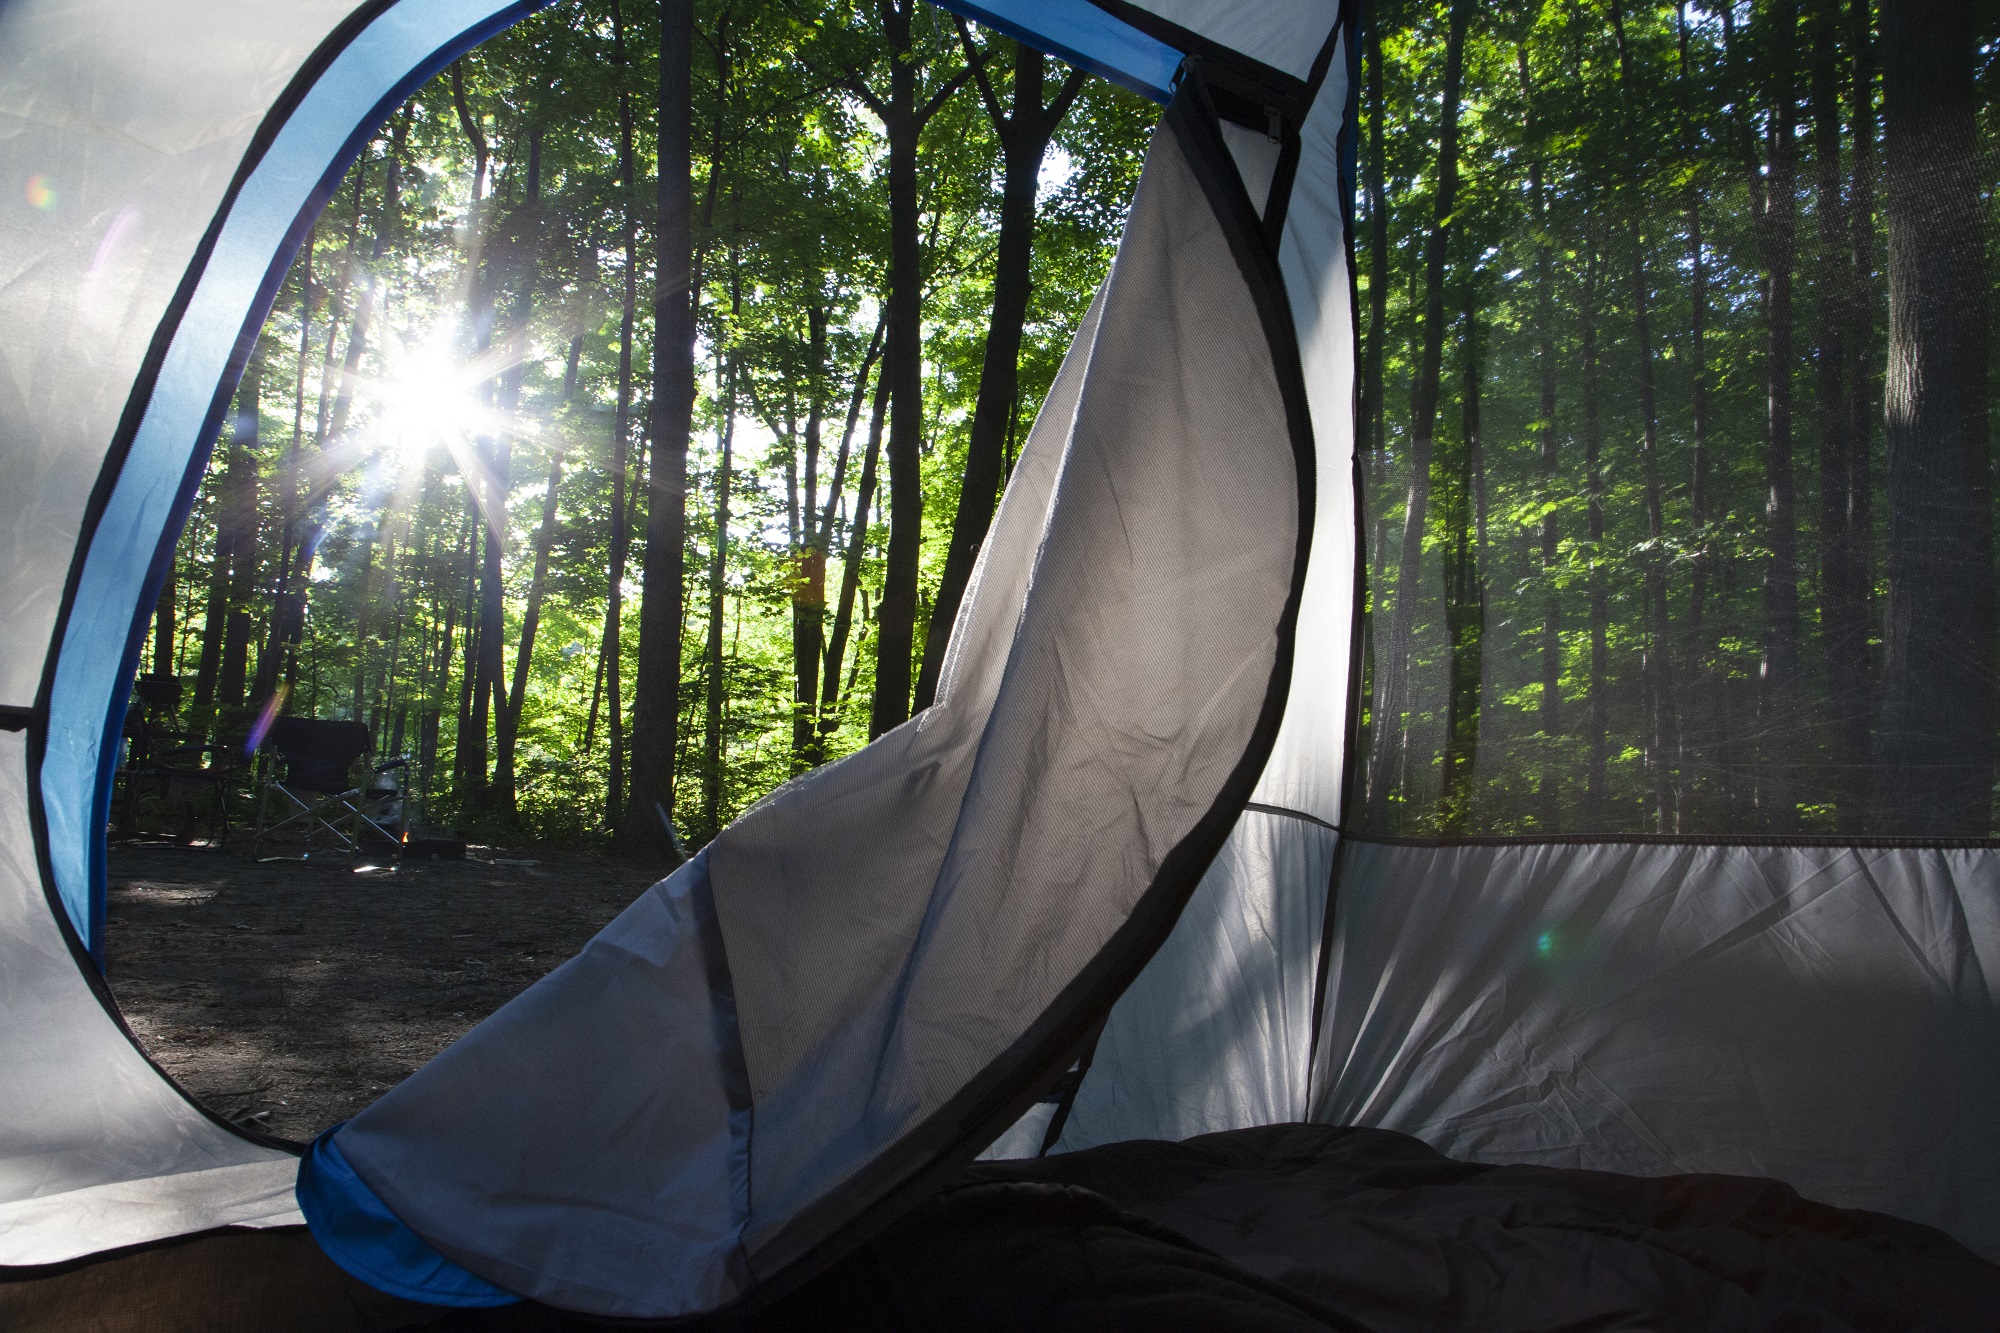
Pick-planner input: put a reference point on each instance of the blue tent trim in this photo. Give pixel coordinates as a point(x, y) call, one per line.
point(178, 408)
point(1084, 36)
point(358, 1232)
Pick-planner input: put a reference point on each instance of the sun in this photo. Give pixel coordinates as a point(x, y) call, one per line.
point(433, 398)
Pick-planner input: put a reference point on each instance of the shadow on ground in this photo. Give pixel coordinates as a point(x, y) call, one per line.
point(287, 996)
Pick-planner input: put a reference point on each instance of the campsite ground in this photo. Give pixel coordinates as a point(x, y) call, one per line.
point(288, 996)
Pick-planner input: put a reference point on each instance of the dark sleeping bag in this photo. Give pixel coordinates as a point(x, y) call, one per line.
point(1309, 1227)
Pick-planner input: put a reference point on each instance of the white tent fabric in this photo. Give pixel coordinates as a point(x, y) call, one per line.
point(889, 952)
point(1113, 841)
point(1826, 1016)
point(1165, 1066)
point(1284, 35)
point(97, 1150)
point(172, 199)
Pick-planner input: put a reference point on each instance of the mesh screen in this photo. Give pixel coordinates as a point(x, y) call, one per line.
point(1675, 410)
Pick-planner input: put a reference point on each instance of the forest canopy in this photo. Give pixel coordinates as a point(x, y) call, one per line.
point(462, 441)
point(1676, 419)
point(622, 441)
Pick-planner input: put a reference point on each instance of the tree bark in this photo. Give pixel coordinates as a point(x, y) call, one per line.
point(485, 660)
point(1465, 582)
point(1374, 404)
point(850, 569)
point(1386, 758)
point(809, 556)
point(903, 366)
point(1699, 721)
point(611, 650)
point(1597, 730)
point(1843, 608)
point(1024, 139)
point(522, 261)
point(1937, 704)
point(1662, 756)
point(648, 829)
point(1549, 793)
point(233, 677)
point(715, 684)
point(1782, 712)
point(284, 486)
point(903, 117)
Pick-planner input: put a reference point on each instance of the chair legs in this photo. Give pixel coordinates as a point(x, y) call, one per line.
point(339, 824)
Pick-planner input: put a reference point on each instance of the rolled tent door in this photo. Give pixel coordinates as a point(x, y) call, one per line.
point(872, 973)
point(174, 156)
point(1217, 1032)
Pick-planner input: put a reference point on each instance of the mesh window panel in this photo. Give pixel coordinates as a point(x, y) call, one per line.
point(1676, 418)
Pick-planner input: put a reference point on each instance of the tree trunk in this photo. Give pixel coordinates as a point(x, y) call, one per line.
point(284, 485)
point(1549, 794)
point(809, 558)
point(1782, 713)
point(1597, 731)
point(163, 625)
point(648, 828)
point(531, 620)
point(1465, 584)
point(489, 487)
point(523, 256)
point(1843, 593)
point(1863, 411)
point(1387, 755)
point(836, 488)
point(1662, 742)
point(1373, 402)
point(611, 651)
point(1699, 720)
point(715, 686)
point(1662, 756)
point(1937, 705)
point(361, 626)
point(242, 503)
point(1024, 138)
point(904, 367)
point(470, 752)
point(850, 568)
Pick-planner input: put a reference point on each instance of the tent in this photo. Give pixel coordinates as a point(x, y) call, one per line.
point(1116, 884)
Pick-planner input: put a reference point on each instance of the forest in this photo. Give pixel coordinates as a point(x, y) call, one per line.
point(1675, 418)
point(599, 592)
point(1674, 412)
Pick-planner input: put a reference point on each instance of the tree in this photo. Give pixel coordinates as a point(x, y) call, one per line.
point(904, 109)
point(1386, 760)
point(1937, 708)
point(647, 829)
point(1024, 133)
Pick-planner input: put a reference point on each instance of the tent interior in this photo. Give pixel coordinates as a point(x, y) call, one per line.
point(1462, 794)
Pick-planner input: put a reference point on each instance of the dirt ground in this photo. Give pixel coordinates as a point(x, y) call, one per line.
point(288, 996)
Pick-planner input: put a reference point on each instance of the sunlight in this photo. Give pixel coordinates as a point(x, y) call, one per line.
point(432, 399)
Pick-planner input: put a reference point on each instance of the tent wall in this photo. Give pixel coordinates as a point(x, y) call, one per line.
point(1826, 1016)
point(872, 972)
point(185, 149)
point(97, 1150)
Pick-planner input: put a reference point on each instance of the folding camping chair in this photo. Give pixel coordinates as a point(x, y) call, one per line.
point(318, 802)
point(171, 766)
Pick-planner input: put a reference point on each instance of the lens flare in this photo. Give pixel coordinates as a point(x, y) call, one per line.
point(41, 193)
point(265, 717)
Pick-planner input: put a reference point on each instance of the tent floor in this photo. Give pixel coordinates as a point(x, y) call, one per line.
point(288, 996)
point(1282, 1229)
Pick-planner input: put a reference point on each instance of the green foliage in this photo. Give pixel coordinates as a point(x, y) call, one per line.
point(474, 312)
